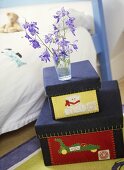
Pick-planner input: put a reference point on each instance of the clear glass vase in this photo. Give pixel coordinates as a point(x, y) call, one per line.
point(63, 68)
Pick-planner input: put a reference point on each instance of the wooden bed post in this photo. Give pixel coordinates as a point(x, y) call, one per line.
point(101, 31)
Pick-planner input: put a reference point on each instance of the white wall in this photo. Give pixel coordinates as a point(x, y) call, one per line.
point(114, 19)
point(117, 59)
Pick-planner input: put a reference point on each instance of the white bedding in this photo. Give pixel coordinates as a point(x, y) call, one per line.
point(21, 88)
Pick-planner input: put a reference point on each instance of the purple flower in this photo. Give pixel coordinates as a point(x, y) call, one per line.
point(70, 24)
point(32, 28)
point(28, 36)
point(56, 30)
point(75, 45)
point(64, 12)
point(64, 42)
point(56, 33)
point(55, 56)
point(69, 49)
point(48, 38)
point(57, 40)
point(55, 27)
point(72, 29)
point(63, 53)
point(26, 25)
point(60, 14)
point(62, 46)
point(45, 56)
point(57, 17)
point(35, 44)
point(71, 20)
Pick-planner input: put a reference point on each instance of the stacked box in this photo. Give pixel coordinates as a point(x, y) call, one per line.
point(88, 137)
point(75, 97)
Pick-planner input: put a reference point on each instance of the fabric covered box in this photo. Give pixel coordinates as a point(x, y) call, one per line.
point(74, 97)
point(86, 138)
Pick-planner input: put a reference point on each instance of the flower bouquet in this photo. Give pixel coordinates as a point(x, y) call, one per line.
point(56, 44)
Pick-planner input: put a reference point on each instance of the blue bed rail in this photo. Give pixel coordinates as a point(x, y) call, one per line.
point(99, 38)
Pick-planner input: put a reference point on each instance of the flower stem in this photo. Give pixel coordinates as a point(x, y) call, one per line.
point(45, 45)
point(64, 26)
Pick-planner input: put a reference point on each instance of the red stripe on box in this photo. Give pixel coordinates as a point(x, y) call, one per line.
point(82, 147)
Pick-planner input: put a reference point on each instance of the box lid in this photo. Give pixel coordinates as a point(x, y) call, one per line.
point(110, 116)
point(84, 77)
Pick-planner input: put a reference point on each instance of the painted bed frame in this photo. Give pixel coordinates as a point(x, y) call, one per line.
point(99, 38)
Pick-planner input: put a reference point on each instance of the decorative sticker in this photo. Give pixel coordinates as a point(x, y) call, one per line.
point(77, 147)
point(75, 104)
point(103, 154)
point(14, 56)
point(82, 147)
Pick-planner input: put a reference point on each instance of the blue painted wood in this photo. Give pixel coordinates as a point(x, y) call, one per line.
point(101, 32)
point(97, 43)
point(99, 38)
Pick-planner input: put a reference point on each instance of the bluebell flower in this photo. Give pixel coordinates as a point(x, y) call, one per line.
point(55, 27)
point(57, 17)
point(48, 38)
point(62, 47)
point(56, 33)
point(71, 20)
point(70, 24)
point(75, 45)
point(35, 44)
point(57, 40)
point(32, 28)
point(26, 25)
point(60, 14)
point(63, 53)
point(56, 30)
point(64, 12)
point(63, 42)
point(72, 29)
point(55, 56)
point(28, 36)
point(45, 56)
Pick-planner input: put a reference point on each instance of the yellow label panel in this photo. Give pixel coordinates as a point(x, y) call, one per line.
point(75, 104)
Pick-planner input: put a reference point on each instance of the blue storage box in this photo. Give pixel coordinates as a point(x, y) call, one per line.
point(86, 138)
point(74, 97)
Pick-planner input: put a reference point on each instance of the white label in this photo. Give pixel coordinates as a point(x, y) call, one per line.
point(103, 154)
point(78, 108)
point(75, 148)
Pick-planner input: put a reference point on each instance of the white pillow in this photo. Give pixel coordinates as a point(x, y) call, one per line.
point(81, 19)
